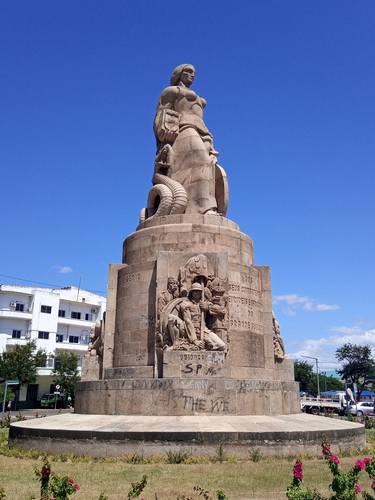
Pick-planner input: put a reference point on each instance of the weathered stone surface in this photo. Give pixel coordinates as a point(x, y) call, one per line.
point(111, 315)
point(90, 368)
point(213, 236)
point(205, 395)
point(113, 435)
point(194, 364)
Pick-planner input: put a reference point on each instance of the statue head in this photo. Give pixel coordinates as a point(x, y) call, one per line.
point(195, 293)
point(184, 73)
point(172, 285)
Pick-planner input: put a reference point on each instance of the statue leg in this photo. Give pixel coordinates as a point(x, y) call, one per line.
point(176, 328)
point(193, 167)
point(213, 342)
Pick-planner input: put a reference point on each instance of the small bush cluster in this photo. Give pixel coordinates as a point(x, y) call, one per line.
point(177, 456)
point(5, 422)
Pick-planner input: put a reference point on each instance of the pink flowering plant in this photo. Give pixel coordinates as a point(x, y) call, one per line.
point(296, 491)
point(61, 488)
point(52, 486)
point(345, 485)
point(43, 475)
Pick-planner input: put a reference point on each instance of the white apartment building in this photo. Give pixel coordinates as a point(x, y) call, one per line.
point(58, 319)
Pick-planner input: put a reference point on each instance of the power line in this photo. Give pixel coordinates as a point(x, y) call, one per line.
point(45, 284)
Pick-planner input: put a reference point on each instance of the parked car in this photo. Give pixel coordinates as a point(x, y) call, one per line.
point(52, 401)
point(362, 408)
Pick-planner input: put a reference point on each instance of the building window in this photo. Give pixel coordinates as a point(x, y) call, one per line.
point(46, 309)
point(88, 317)
point(59, 338)
point(16, 334)
point(75, 315)
point(73, 339)
point(61, 313)
point(20, 307)
point(43, 335)
point(50, 363)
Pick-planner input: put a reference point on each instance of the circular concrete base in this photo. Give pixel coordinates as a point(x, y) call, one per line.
point(114, 435)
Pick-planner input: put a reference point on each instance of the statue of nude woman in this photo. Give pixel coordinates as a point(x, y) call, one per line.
point(186, 156)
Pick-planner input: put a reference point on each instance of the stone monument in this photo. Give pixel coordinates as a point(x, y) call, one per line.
point(189, 328)
point(189, 352)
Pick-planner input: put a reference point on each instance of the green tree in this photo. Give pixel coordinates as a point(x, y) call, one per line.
point(303, 373)
point(66, 372)
point(357, 364)
point(330, 383)
point(21, 363)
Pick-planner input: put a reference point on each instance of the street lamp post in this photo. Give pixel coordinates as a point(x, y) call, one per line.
point(317, 371)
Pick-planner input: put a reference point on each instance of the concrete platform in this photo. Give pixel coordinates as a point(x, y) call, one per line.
point(114, 435)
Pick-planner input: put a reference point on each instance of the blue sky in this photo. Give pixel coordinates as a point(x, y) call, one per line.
point(290, 91)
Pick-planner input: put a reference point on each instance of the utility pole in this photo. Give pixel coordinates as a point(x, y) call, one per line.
point(317, 371)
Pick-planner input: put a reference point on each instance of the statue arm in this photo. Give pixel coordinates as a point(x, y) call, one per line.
point(216, 309)
point(166, 123)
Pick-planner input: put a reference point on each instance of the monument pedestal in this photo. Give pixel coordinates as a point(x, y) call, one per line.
point(143, 377)
point(114, 435)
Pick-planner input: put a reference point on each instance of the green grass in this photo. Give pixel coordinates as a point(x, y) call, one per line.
point(265, 479)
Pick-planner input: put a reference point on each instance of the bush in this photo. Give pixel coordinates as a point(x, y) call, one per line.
point(137, 488)
point(177, 457)
point(220, 455)
point(255, 455)
point(5, 421)
point(135, 458)
point(345, 485)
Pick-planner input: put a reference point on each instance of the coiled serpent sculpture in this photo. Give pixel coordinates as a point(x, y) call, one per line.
point(167, 196)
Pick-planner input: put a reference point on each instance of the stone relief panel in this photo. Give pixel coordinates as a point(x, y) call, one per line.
point(192, 313)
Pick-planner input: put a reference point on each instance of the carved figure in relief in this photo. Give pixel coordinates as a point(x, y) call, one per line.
point(218, 306)
point(187, 177)
point(190, 320)
point(168, 319)
point(95, 347)
point(93, 359)
point(195, 269)
point(278, 344)
point(172, 292)
point(194, 312)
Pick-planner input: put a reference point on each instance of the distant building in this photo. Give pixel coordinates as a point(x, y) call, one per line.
point(58, 319)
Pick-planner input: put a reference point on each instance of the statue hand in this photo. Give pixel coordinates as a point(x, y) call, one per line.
point(203, 306)
point(199, 343)
point(170, 135)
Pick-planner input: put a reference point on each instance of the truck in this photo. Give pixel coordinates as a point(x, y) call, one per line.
point(335, 404)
